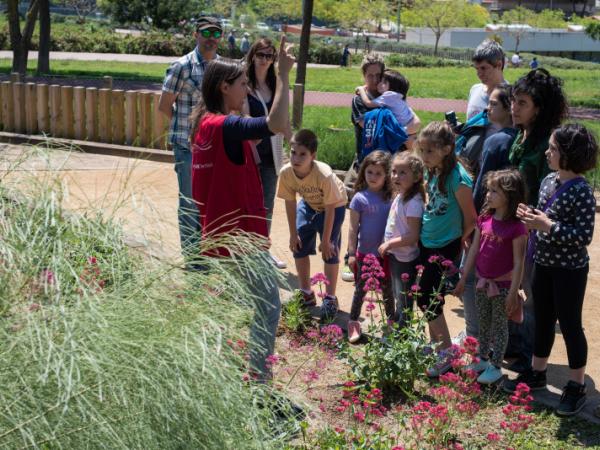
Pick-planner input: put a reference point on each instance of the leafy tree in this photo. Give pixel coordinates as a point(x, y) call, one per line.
point(162, 13)
point(593, 30)
point(438, 16)
point(278, 9)
point(518, 16)
point(548, 18)
point(83, 8)
point(20, 40)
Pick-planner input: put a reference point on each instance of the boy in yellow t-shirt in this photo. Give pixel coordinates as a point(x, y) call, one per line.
point(321, 210)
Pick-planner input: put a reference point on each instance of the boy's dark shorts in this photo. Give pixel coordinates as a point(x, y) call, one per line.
point(310, 222)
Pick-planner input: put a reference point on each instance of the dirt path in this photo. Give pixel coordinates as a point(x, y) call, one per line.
point(143, 195)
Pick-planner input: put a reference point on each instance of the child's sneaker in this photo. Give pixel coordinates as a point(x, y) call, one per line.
point(443, 365)
point(347, 274)
point(278, 262)
point(479, 367)
point(535, 379)
point(354, 331)
point(308, 300)
point(490, 375)
point(572, 399)
point(329, 307)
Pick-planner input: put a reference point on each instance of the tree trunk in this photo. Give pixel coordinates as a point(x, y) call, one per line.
point(44, 45)
point(437, 41)
point(20, 42)
point(298, 106)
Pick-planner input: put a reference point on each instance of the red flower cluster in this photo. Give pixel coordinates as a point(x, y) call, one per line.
point(517, 420)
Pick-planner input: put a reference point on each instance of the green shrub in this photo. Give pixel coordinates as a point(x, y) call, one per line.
point(295, 315)
point(104, 348)
point(413, 60)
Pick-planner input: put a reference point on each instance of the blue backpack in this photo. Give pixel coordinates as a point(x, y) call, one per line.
point(469, 142)
point(381, 131)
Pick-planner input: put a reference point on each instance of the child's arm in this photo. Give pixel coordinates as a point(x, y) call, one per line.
point(410, 238)
point(290, 211)
point(469, 264)
point(360, 90)
point(414, 125)
point(519, 246)
point(326, 248)
point(353, 238)
point(464, 197)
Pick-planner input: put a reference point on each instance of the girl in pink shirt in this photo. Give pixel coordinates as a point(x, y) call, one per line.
point(498, 254)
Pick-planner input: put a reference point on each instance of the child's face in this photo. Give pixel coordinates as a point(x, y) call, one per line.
point(495, 197)
point(496, 111)
point(553, 154)
point(403, 177)
point(383, 86)
point(301, 158)
point(433, 155)
point(375, 177)
point(523, 110)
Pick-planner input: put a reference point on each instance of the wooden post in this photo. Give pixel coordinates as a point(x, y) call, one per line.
point(145, 118)
point(19, 106)
point(55, 122)
point(8, 118)
point(159, 128)
point(79, 112)
point(31, 108)
point(118, 116)
point(107, 82)
point(43, 118)
point(91, 113)
point(131, 119)
point(67, 111)
point(104, 115)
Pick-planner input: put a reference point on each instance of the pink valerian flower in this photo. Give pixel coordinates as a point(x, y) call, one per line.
point(339, 430)
point(493, 437)
point(370, 306)
point(47, 276)
point(405, 277)
point(319, 278)
point(92, 260)
point(271, 361)
point(471, 345)
point(469, 407)
point(398, 447)
point(433, 259)
point(359, 416)
point(420, 268)
point(415, 288)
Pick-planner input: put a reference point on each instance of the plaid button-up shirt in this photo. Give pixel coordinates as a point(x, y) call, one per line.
point(184, 78)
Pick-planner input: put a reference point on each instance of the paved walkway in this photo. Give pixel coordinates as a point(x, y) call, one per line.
point(143, 195)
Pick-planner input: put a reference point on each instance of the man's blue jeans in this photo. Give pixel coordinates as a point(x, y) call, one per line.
point(188, 214)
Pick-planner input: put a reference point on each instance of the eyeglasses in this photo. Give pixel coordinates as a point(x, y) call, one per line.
point(208, 33)
point(267, 56)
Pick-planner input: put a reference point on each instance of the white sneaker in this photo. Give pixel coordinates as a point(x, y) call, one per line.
point(459, 338)
point(347, 274)
point(278, 263)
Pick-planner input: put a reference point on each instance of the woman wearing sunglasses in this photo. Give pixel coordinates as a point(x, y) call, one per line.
point(261, 83)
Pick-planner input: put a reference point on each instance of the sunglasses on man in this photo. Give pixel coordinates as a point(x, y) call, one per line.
point(208, 33)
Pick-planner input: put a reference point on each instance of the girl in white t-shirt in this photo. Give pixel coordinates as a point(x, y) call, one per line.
point(393, 89)
point(401, 237)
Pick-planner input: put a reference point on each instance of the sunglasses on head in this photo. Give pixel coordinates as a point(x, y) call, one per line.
point(267, 56)
point(208, 33)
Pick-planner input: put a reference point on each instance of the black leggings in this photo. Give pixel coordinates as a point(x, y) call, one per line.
point(559, 295)
point(432, 276)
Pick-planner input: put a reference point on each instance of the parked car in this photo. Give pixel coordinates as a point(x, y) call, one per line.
point(262, 26)
point(226, 23)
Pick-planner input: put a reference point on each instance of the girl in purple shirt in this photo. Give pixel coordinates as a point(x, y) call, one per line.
point(498, 254)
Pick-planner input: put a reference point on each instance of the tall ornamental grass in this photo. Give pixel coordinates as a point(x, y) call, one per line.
point(102, 347)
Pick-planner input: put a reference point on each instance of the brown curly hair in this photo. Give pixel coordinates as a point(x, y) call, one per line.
point(377, 158)
point(417, 167)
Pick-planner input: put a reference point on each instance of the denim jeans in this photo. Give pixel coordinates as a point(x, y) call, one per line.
point(264, 324)
point(469, 299)
point(400, 288)
point(187, 212)
point(268, 177)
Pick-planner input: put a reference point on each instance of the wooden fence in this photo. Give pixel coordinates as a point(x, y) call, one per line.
point(76, 112)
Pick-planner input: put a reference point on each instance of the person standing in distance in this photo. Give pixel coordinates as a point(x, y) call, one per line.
point(181, 92)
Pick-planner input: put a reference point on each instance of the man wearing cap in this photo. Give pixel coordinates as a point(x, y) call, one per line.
point(181, 92)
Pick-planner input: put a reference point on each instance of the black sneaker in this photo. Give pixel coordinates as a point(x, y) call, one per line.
point(572, 399)
point(536, 380)
point(329, 307)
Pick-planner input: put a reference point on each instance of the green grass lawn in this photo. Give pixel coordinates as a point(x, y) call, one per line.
point(582, 86)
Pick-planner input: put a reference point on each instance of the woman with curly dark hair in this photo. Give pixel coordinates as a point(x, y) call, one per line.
point(538, 106)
